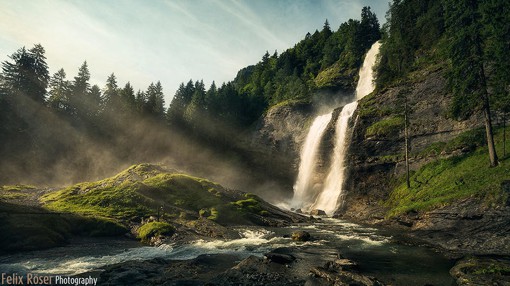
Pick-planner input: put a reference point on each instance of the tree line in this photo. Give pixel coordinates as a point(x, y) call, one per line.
point(297, 74)
point(52, 120)
point(46, 120)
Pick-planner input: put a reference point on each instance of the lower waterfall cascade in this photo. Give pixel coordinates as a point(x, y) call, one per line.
point(307, 196)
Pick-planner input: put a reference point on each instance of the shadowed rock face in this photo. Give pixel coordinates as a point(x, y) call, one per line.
point(376, 159)
point(279, 135)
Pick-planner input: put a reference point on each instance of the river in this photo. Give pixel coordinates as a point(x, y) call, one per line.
point(376, 251)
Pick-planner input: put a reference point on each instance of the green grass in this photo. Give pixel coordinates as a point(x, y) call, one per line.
point(119, 202)
point(13, 192)
point(387, 127)
point(141, 190)
point(446, 180)
point(151, 229)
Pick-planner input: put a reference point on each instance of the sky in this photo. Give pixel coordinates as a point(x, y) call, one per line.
point(172, 41)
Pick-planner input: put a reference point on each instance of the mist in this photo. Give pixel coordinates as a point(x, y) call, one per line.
point(62, 154)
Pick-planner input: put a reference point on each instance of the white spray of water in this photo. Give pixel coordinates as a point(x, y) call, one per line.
point(329, 197)
point(304, 187)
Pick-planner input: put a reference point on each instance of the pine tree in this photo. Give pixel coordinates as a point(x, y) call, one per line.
point(140, 102)
point(59, 91)
point(78, 97)
point(496, 20)
point(467, 73)
point(127, 96)
point(155, 100)
point(111, 98)
point(27, 76)
point(180, 101)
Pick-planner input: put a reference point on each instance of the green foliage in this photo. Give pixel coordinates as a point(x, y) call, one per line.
point(446, 180)
point(152, 229)
point(323, 60)
point(386, 128)
point(410, 38)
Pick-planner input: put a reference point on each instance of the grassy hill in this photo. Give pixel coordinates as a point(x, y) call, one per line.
point(146, 200)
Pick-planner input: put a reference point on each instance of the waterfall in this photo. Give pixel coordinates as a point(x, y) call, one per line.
point(366, 73)
point(329, 198)
point(303, 189)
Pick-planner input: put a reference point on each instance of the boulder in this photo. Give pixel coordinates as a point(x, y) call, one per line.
point(318, 212)
point(341, 272)
point(279, 258)
point(301, 235)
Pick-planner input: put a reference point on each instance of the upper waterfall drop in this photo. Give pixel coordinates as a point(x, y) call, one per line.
point(366, 74)
point(329, 197)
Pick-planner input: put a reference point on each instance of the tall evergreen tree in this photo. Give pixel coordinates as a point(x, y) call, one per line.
point(496, 20)
point(59, 91)
point(155, 100)
point(27, 75)
point(140, 102)
point(467, 73)
point(79, 95)
point(111, 97)
point(127, 95)
point(180, 101)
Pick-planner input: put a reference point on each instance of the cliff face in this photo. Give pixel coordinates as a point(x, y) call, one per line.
point(377, 166)
point(280, 134)
point(376, 151)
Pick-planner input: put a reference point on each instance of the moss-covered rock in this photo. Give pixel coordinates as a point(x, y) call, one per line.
point(154, 229)
point(482, 271)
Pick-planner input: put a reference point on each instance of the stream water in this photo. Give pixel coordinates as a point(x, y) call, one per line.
point(375, 251)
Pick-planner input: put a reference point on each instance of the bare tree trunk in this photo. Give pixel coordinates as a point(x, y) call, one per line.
point(406, 135)
point(493, 156)
point(504, 134)
point(489, 132)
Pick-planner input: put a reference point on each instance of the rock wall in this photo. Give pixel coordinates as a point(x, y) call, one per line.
point(377, 160)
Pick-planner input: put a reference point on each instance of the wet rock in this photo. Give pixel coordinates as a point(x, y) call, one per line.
point(482, 271)
point(345, 264)
point(280, 258)
point(299, 211)
point(301, 235)
point(318, 212)
point(466, 227)
point(335, 274)
point(257, 271)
